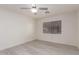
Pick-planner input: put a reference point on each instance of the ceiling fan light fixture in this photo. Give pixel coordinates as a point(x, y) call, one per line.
point(34, 10)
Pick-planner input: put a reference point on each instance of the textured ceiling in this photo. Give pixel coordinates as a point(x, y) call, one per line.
point(54, 9)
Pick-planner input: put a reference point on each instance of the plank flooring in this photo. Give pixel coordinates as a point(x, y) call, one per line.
point(38, 47)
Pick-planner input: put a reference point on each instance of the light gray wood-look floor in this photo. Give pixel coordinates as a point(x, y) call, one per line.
point(38, 47)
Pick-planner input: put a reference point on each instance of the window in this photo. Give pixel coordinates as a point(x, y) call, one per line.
point(53, 27)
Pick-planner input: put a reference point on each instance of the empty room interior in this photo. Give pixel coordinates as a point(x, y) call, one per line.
point(39, 29)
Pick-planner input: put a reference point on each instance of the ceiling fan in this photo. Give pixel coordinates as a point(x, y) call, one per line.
point(34, 9)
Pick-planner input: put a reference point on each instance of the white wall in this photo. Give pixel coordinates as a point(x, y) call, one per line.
point(14, 29)
point(69, 29)
point(78, 29)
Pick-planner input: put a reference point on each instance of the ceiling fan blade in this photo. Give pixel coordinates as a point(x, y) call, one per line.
point(25, 8)
point(43, 8)
point(47, 12)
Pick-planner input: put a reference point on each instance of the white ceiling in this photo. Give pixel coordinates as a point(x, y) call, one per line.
point(53, 8)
